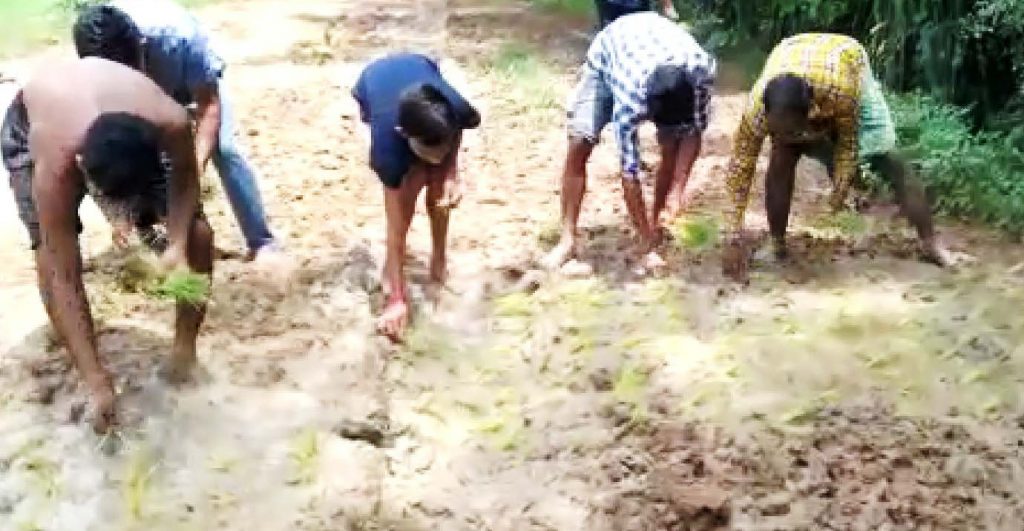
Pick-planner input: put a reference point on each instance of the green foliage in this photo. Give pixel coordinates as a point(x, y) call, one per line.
point(970, 175)
point(943, 47)
point(695, 234)
point(184, 286)
point(575, 7)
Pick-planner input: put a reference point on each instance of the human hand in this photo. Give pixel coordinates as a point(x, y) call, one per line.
point(174, 259)
point(671, 13)
point(103, 406)
point(451, 194)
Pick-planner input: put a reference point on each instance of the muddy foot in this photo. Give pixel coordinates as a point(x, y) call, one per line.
point(176, 373)
point(943, 257)
point(576, 269)
point(558, 256)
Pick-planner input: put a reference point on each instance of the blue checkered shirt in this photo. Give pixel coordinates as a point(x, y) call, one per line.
point(625, 54)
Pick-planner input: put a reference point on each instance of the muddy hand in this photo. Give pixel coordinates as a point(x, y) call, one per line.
point(103, 405)
point(173, 259)
point(393, 321)
point(451, 196)
point(734, 260)
point(120, 234)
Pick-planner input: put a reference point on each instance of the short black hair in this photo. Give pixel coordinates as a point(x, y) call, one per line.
point(788, 92)
point(121, 155)
point(425, 114)
point(670, 95)
point(107, 32)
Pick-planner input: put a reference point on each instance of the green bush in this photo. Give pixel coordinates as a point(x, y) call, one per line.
point(970, 175)
point(965, 52)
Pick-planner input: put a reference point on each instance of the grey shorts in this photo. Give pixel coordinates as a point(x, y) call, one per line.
point(591, 106)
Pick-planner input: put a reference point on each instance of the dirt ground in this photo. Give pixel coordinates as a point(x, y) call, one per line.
point(855, 389)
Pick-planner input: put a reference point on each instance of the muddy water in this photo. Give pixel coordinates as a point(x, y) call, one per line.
point(856, 389)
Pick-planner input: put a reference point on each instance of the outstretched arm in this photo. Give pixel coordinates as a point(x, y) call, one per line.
point(59, 266)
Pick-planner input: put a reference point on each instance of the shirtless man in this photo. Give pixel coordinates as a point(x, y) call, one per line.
point(97, 127)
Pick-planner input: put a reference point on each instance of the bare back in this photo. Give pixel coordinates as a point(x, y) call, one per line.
point(65, 97)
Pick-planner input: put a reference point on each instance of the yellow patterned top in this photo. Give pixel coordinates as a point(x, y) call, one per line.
point(833, 65)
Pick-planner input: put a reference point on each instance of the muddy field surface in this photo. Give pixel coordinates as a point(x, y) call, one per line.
point(856, 388)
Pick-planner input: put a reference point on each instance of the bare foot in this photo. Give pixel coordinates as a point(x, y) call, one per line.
point(675, 208)
point(393, 321)
point(653, 261)
point(942, 257)
point(273, 266)
point(576, 269)
point(562, 253)
point(438, 270)
point(177, 372)
point(780, 251)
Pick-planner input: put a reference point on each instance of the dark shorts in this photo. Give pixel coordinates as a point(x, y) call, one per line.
point(607, 12)
point(17, 159)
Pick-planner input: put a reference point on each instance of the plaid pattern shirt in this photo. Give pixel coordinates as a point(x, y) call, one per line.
point(625, 54)
point(834, 66)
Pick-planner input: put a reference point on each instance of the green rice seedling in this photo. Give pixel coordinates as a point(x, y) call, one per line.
point(305, 455)
point(185, 287)
point(695, 234)
point(137, 482)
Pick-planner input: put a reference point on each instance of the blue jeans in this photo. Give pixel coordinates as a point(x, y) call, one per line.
point(239, 182)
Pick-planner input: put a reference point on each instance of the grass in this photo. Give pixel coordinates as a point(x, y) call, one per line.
point(569, 7)
point(32, 24)
point(518, 65)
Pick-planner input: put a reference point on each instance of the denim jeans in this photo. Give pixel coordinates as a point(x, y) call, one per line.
point(239, 181)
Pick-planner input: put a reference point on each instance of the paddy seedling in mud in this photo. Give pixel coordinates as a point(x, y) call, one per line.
point(695, 234)
point(137, 481)
point(305, 457)
point(184, 287)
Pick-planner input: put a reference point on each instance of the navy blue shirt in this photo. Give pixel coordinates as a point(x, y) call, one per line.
point(378, 90)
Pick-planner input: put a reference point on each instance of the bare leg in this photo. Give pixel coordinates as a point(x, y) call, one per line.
point(190, 316)
point(779, 193)
point(574, 185)
point(913, 201)
point(399, 206)
point(633, 194)
point(686, 156)
point(439, 217)
point(664, 176)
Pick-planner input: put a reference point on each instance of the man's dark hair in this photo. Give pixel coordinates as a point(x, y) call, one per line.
point(670, 95)
point(107, 32)
point(788, 92)
point(121, 155)
point(425, 114)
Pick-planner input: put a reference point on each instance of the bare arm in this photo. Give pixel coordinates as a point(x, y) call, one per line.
point(208, 123)
point(59, 266)
point(183, 188)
